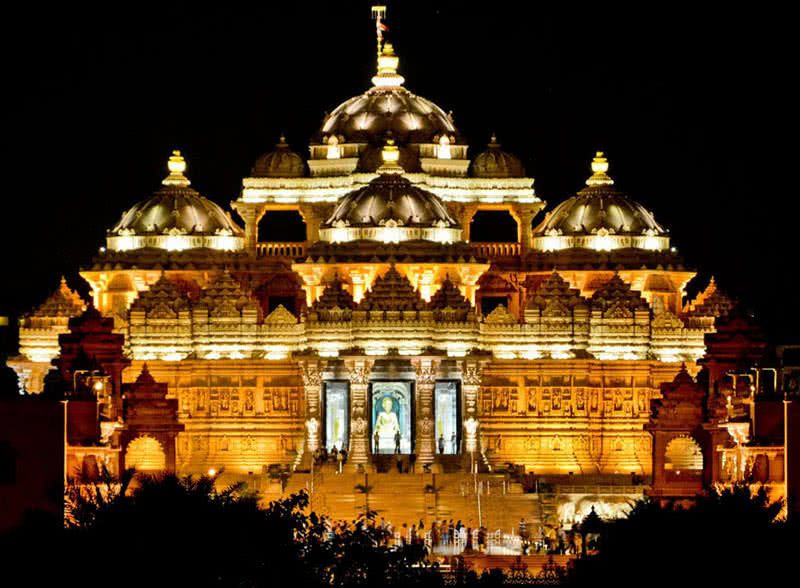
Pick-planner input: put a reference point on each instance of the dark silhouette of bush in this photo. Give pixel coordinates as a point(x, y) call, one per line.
point(728, 535)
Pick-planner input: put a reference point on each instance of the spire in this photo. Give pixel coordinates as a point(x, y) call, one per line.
point(176, 165)
point(599, 169)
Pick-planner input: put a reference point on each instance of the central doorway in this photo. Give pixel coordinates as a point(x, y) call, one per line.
point(392, 414)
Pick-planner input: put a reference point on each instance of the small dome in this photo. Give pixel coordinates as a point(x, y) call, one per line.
point(600, 217)
point(388, 107)
point(176, 217)
point(390, 208)
point(496, 163)
point(280, 163)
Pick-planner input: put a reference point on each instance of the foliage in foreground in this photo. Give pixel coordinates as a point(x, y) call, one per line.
point(171, 531)
point(729, 534)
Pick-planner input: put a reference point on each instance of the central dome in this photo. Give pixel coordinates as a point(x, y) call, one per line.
point(388, 108)
point(369, 117)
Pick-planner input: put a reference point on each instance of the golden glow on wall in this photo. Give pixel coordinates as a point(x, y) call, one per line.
point(145, 454)
point(683, 454)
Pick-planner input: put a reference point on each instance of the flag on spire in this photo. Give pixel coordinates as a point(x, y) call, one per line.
point(380, 28)
point(379, 12)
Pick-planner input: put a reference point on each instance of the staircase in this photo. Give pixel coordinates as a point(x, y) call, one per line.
point(408, 498)
point(450, 464)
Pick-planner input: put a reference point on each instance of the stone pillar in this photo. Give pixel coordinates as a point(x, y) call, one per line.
point(359, 426)
point(712, 459)
point(312, 218)
point(464, 214)
point(470, 387)
point(659, 477)
point(250, 215)
point(526, 214)
point(425, 384)
point(312, 384)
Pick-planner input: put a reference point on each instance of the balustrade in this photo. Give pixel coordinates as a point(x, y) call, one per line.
point(496, 249)
point(281, 249)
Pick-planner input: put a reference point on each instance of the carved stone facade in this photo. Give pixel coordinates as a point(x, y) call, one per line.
point(426, 370)
point(359, 373)
point(552, 349)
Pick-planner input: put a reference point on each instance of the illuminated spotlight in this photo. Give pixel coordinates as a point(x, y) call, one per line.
point(98, 386)
point(212, 472)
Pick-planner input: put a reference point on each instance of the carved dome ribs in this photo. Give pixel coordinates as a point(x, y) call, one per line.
point(391, 197)
point(175, 209)
point(369, 117)
point(176, 217)
point(280, 163)
point(496, 163)
point(600, 217)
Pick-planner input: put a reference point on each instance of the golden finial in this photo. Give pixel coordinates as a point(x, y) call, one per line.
point(391, 156)
point(599, 169)
point(387, 68)
point(176, 166)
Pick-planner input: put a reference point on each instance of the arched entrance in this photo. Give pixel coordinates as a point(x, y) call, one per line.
point(145, 454)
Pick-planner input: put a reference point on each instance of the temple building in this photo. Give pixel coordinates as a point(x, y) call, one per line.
point(568, 355)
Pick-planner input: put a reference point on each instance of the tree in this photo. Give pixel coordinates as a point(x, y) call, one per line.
point(166, 530)
point(728, 533)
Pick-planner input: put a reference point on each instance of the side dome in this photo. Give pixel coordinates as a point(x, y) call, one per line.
point(391, 209)
point(388, 108)
point(496, 163)
point(175, 218)
point(280, 163)
point(600, 217)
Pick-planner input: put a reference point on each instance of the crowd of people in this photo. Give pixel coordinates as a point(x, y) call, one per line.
point(335, 456)
point(453, 537)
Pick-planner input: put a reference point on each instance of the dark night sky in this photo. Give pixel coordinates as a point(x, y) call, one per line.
point(689, 104)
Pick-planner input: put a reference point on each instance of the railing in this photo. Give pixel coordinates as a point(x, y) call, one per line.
point(278, 249)
point(498, 249)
